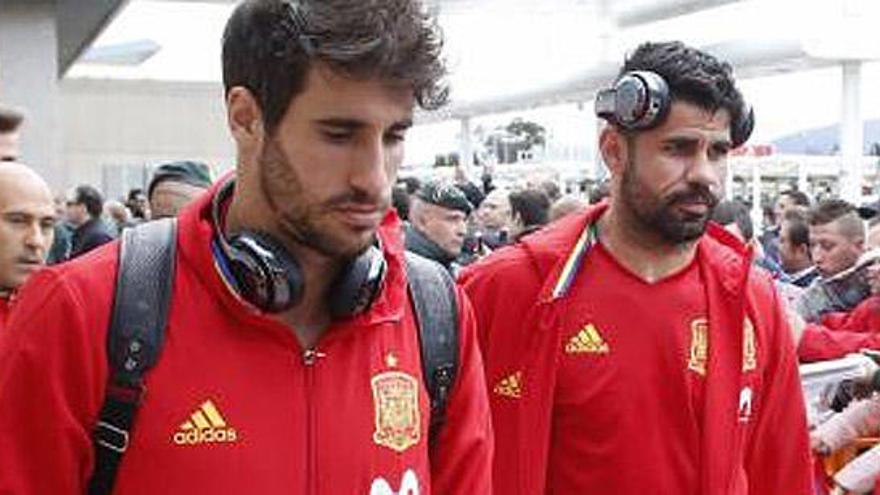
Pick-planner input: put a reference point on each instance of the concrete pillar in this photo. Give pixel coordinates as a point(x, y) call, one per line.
point(465, 147)
point(29, 79)
point(851, 133)
point(757, 211)
point(803, 182)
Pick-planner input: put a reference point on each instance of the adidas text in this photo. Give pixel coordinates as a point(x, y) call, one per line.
point(206, 435)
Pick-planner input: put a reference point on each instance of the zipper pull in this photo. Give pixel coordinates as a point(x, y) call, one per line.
point(312, 355)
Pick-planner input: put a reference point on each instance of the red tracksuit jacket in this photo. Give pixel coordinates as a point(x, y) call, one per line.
point(756, 446)
point(5, 306)
point(233, 405)
point(842, 333)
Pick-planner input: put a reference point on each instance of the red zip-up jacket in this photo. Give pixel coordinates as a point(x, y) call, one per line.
point(753, 436)
point(839, 334)
point(5, 306)
point(234, 404)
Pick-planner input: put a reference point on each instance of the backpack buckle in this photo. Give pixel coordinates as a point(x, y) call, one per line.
point(111, 437)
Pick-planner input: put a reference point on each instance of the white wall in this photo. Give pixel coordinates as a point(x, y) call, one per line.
point(108, 124)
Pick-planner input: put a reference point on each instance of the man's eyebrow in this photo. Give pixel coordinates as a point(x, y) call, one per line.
point(340, 122)
point(350, 124)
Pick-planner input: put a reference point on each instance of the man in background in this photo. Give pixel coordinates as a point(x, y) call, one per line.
point(837, 236)
point(27, 220)
point(174, 185)
point(794, 249)
point(84, 211)
point(10, 122)
point(438, 222)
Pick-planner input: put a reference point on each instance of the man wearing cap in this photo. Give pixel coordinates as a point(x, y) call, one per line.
point(174, 185)
point(438, 222)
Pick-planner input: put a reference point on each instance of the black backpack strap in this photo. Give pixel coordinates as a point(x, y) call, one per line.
point(436, 310)
point(144, 281)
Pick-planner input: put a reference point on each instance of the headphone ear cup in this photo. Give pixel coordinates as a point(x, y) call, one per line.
point(357, 285)
point(267, 275)
point(639, 100)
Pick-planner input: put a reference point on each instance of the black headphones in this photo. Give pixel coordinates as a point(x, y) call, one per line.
point(269, 277)
point(640, 100)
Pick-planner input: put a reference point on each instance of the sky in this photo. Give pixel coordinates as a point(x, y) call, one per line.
point(499, 47)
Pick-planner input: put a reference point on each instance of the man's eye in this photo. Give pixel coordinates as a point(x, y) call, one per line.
point(395, 137)
point(337, 136)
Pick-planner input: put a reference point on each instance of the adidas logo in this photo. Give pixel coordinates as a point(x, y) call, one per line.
point(588, 341)
point(510, 386)
point(206, 425)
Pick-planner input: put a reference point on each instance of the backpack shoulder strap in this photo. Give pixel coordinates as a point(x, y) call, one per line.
point(433, 295)
point(144, 279)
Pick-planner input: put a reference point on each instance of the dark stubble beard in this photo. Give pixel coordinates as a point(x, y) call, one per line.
point(297, 217)
point(659, 215)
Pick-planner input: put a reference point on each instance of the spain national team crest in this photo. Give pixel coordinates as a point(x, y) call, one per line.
point(396, 403)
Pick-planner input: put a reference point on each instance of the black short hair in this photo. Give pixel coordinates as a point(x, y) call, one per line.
point(531, 206)
point(134, 193)
point(795, 224)
point(270, 45)
point(10, 119)
point(735, 211)
point(830, 210)
point(91, 198)
point(799, 198)
point(692, 75)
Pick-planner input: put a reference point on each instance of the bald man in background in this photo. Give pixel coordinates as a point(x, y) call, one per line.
point(27, 221)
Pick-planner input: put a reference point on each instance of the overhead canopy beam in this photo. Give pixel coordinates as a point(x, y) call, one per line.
point(79, 22)
point(660, 10)
point(750, 58)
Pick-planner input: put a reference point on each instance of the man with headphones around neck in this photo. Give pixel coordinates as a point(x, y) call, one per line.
point(633, 348)
point(291, 358)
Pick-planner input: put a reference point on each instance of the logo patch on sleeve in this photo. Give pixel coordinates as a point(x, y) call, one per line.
point(396, 404)
point(510, 386)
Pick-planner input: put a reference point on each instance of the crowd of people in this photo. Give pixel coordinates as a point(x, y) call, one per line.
point(640, 336)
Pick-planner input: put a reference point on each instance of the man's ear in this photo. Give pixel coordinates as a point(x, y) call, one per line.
point(614, 149)
point(244, 118)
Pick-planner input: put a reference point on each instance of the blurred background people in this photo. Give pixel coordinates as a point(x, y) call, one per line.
point(437, 224)
point(10, 122)
point(84, 213)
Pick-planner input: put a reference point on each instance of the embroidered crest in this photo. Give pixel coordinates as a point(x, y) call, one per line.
point(750, 350)
point(699, 346)
point(396, 404)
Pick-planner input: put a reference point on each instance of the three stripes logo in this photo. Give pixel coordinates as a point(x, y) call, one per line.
point(206, 425)
point(587, 341)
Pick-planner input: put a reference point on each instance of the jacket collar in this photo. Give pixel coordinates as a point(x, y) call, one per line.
point(560, 250)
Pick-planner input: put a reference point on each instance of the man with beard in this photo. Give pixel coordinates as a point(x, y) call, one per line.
point(27, 221)
point(271, 380)
point(633, 348)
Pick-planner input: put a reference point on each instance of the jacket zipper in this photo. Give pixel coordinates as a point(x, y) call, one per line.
point(310, 357)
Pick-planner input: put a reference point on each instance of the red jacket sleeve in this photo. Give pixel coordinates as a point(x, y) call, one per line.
point(842, 333)
point(778, 456)
point(462, 459)
point(51, 365)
